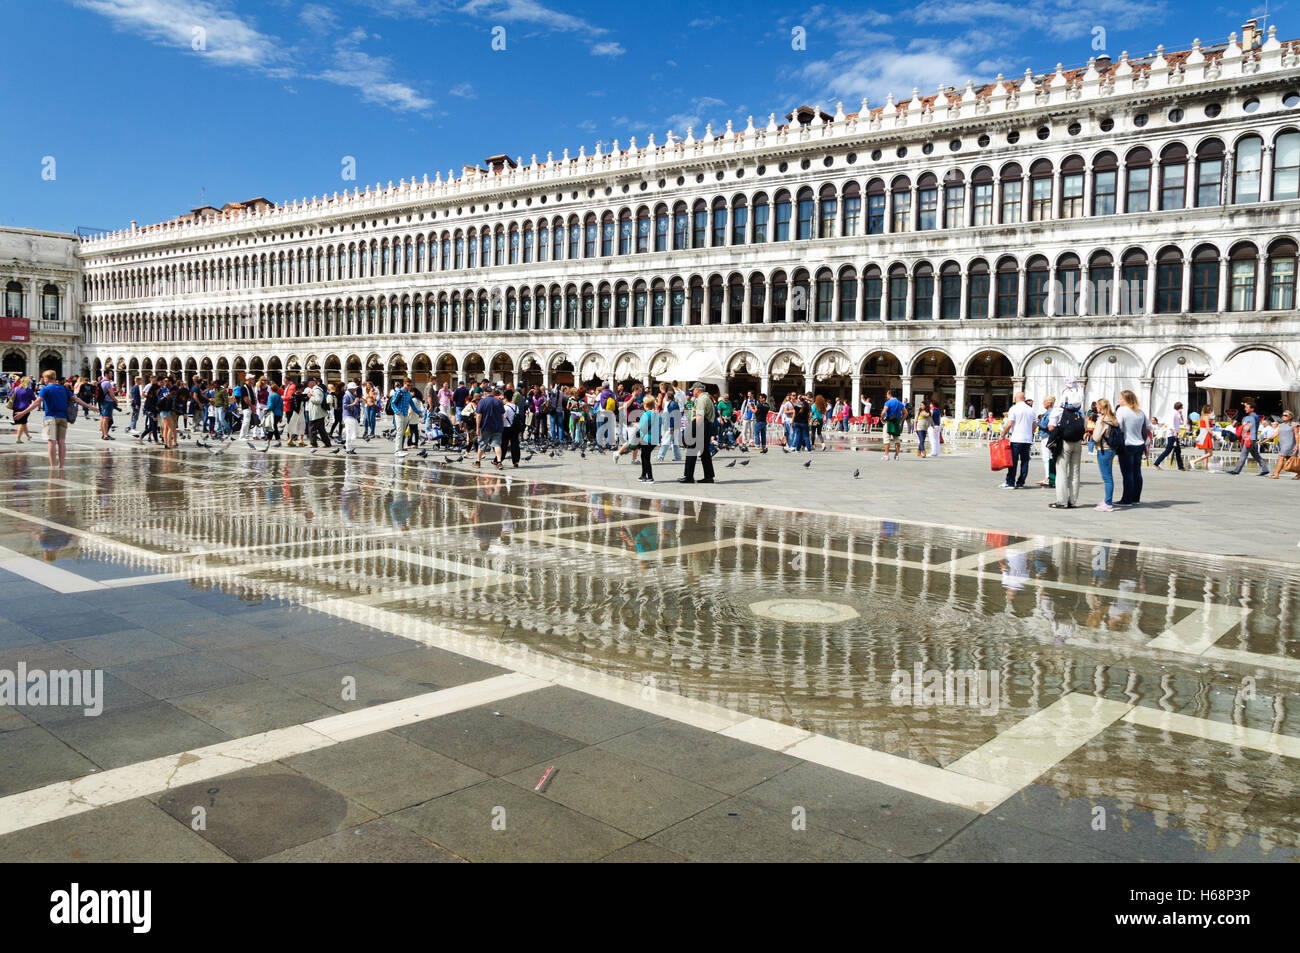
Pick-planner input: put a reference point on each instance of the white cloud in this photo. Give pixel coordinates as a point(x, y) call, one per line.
point(608, 48)
point(464, 91)
point(703, 110)
point(228, 39)
point(371, 76)
point(530, 11)
point(318, 19)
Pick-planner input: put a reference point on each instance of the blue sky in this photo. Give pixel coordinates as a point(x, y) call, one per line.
point(143, 103)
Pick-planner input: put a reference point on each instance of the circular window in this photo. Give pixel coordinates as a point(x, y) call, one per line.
point(927, 148)
point(851, 158)
point(761, 169)
point(901, 151)
point(1213, 110)
point(573, 194)
point(875, 155)
point(1107, 124)
point(681, 180)
point(543, 199)
point(609, 190)
point(1043, 132)
point(1291, 100)
point(1250, 105)
point(644, 186)
point(828, 161)
point(783, 166)
point(662, 183)
point(1140, 120)
point(740, 173)
point(1175, 115)
point(983, 141)
point(805, 164)
point(955, 146)
point(626, 187)
point(591, 193)
point(1073, 129)
point(700, 177)
point(1013, 137)
point(718, 175)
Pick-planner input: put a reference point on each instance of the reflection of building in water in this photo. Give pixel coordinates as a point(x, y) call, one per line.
point(562, 578)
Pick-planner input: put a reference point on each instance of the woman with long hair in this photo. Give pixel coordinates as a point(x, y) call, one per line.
point(1206, 439)
point(1135, 426)
point(22, 397)
point(1100, 427)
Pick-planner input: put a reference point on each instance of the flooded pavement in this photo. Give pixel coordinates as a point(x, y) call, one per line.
point(1030, 679)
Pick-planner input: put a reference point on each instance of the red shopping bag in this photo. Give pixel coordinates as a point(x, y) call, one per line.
point(1000, 454)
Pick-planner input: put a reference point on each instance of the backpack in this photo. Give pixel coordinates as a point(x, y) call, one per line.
point(1115, 439)
point(1071, 426)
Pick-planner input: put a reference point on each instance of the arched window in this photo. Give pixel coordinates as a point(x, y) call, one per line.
point(1137, 191)
point(827, 212)
point(761, 212)
point(804, 220)
point(757, 295)
point(658, 298)
point(716, 295)
point(681, 227)
point(1012, 180)
point(1173, 176)
point(897, 293)
point(639, 301)
point(852, 209)
point(514, 245)
point(499, 247)
point(848, 294)
point(1205, 280)
point(621, 302)
point(871, 287)
point(661, 227)
point(1072, 187)
point(825, 295)
point(1281, 275)
point(558, 235)
point(1101, 275)
point(1209, 173)
point(719, 231)
point(1040, 182)
point(13, 300)
point(699, 224)
point(677, 303)
point(589, 236)
point(1250, 155)
point(781, 225)
point(643, 229)
point(981, 181)
point(1067, 285)
point(927, 203)
point(1105, 170)
point(607, 230)
point(576, 235)
point(697, 300)
point(626, 232)
point(950, 291)
point(543, 241)
point(954, 199)
point(1286, 166)
point(739, 220)
point(976, 290)
point(1036, 287)
point(1242, 264)
point(736, 310)
point(900, 204)
point(779, 294)
point(588, 307)
point(923, 292)
point(1169, 281)
point(875, 207)
point(801, 296)
point(1008, 288)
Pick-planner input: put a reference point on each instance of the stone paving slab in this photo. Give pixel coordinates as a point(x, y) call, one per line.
point(380, 841)
point(495, 744)
point(132, 832)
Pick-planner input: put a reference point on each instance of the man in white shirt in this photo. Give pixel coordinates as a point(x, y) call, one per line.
point(1019, 426)
point(1066, 430)
point(866, 412)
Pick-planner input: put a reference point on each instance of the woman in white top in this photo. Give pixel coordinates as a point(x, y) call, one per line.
point(1135, 426)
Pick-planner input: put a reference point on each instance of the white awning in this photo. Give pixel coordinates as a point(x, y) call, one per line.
point(696, 366)
point(1255, 371)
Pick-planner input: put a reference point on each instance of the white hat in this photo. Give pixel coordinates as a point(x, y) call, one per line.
point(352, 385)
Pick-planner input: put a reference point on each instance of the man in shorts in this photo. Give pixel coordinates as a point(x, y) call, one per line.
point(53, 398)
point(892, 413)
point(489, 415)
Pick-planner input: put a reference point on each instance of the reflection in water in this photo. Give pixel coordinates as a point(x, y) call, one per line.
point(642, 587)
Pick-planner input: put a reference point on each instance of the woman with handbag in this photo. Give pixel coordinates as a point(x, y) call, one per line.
point(1287, 457)
point(1206, 439)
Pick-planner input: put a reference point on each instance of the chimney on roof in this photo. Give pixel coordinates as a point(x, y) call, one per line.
point(1249, 35)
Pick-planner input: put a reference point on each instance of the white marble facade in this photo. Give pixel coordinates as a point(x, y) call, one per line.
point(1134, 223)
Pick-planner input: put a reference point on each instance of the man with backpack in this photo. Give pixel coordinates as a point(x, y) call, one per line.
point(1066, 428)
point(316, 411)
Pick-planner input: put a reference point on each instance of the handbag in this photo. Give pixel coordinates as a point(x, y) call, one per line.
point(1000, 454)
point(1291, 464)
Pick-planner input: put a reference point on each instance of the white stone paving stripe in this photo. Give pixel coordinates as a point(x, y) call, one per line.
point(1200, 630)
point(1025, 750)
point(46, 574)
point(1242, 657)
point(1219, 731)
point(67, 798)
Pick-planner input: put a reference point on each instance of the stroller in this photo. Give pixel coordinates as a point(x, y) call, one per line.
point(441, 431)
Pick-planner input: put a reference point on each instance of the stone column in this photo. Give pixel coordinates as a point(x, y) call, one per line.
point(935, 284)
point(1020, 292)
point(965, 295)
point(1266, 175)
point(1087, 192)
point(765, 385)
point(1149, 305)
point(909, 309)
point(959, 398)
point(1222, 304)
point(1052, 306)
point(1186, 304)
point(855, 407)
point(1146, 392)
point(835, 297)
point(907, 389)
point(767, 302)
point(1026, 199)
point(968, 204)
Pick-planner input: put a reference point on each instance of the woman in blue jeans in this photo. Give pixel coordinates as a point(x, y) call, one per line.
point(1099, 433)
